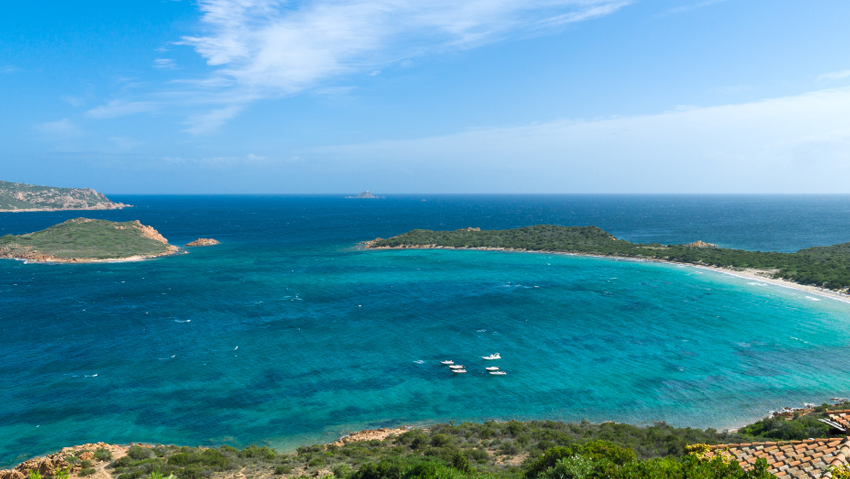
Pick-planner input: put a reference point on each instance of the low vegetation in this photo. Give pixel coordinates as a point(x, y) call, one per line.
point(85, 238)
point(827, 266)
point(21, 196)
point(490, 450)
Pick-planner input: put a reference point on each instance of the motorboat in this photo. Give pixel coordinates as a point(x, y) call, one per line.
point(498, 373)
point(447, 362)
point(491, 357)
point(492, 368)
point(456, 366)
point(458, 371)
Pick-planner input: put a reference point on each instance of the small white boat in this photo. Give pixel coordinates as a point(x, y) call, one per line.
point(492, 368)
point(447, 362)
point(491, 357)
point(456, 366)
point(458, 371)
point(498, 373)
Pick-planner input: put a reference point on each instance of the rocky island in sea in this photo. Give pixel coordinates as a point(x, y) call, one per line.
point(83, 240)
point(824, 267)
point(365, 195)
point(17, 197)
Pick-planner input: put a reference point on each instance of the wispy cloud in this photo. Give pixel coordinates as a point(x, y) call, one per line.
point(60, 129)
point(834, 75)
point(117, 108)
point(272, 48)
point(693, 6)
point(284, 47)
point(164, 64)
point(793, 144)
point(208, 122)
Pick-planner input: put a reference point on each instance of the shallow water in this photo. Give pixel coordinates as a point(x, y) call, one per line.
point(285, 334)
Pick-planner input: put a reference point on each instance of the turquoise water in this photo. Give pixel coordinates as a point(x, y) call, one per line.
point(286, 334)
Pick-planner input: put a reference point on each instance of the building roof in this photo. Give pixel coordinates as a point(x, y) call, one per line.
point(810, 458)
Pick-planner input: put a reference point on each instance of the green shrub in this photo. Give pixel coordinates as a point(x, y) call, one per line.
point(139, 453)
point(103, 454)
point(63, 473)
point(461, 463)
point(87, 472)
point(317, 462)
point(440, 440)
point(193, 472)
point(282, 469)
point(479, 455)
point(35, 474)
point(343, 471)
point(229, 449)
point(86, 464)
point(255, 452)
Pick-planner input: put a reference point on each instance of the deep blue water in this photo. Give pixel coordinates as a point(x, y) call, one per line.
point(286, 334)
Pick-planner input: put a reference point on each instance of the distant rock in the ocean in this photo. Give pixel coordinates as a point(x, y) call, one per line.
point(365, 194)
point(700, 244)
point(203, 242)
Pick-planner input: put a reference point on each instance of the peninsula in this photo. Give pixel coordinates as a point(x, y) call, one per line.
point(83, 240)
point(824, 267)
point(18, 197)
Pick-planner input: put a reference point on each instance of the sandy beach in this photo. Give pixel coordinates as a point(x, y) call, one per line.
point(762, 276)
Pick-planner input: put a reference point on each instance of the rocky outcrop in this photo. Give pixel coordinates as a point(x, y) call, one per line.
point(11, 474)
point(473, 229)
point(700, 244)
point(203, 242)
point(365, 195)
point(371, 434)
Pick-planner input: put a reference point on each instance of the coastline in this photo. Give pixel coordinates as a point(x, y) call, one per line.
point(117, 206)
point(749, 273)
point(128, 259)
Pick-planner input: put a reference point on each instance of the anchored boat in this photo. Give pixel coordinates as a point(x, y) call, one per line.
point(498, 373)
point(449, 361)
point(456, 366)
point(458, 371)
point(491, 357)
point(492, 368)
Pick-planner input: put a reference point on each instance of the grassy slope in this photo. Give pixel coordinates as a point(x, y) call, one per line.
point(84, 238)
point(52, 197)
point(829, 264)
point(499, 450)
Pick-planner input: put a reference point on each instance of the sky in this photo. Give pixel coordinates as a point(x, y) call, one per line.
point(426, 96)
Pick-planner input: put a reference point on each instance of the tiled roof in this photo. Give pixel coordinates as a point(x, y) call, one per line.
point(840, 418)
point(791, 459)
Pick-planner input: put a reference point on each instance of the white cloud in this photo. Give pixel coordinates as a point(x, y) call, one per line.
point(117, 108)
point(834, 75)
point(282, 47)
point(63, 128)
point(211, 121)
point(164, 64)
point(793, 144)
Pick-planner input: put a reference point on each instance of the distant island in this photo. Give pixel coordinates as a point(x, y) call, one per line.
point(365, 194)
point(18, 197)
point(83, 240)
point(822, 267)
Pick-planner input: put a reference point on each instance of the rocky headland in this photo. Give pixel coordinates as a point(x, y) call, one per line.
point(22, 197)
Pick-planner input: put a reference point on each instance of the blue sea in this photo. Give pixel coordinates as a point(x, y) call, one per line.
point(287, 334)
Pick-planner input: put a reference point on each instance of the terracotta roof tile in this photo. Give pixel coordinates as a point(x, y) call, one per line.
point(808, 459)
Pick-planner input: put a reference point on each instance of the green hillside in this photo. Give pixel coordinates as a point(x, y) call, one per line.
point(22, 197)
point(83, 238)
point(827, 266)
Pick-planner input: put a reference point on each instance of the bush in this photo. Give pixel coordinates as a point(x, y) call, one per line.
point(87, 472)
point(282, 469)
point(86, 464)
point(343, 471)
point(139, 453)
point(103, 454)
point(253, 451)
point(461, 463)
point(479, 455)
point(317, 462)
